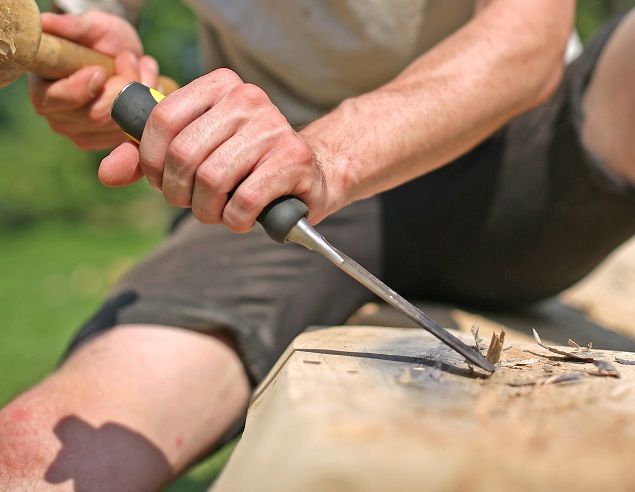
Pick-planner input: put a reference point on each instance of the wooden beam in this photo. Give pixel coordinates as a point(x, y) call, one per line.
point(382, 409)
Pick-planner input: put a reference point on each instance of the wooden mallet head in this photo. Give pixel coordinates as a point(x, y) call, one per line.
point(20, 34)
point(25, 48)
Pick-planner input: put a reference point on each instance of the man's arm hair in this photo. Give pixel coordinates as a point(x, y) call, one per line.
point(506, 60)
point(128, 9)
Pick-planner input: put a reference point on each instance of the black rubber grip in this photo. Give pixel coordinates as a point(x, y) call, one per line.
point(281, 215)
point(131, 110)
point(132, 107)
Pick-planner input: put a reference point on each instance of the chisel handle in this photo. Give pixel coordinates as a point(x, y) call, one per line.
point(131, 110)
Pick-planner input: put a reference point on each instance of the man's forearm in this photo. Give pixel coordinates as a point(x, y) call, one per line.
point(503, 62)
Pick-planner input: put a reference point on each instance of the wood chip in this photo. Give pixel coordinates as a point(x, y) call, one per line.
point(567, 377)
point(605, 368)
point(568, 355)
point(495, 347)
point(523, 362)
point(480, 343)
point(626, 362)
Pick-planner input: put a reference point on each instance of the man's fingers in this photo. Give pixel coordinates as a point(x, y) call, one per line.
point(220, 173)
point(103, 32)
point(127, 66)
point(74, 92)
point(175, 113)
point(262, 187)
point(99, 141)
point(121, 167)
point(149, 71)
point(289, 171)
point(185, 154)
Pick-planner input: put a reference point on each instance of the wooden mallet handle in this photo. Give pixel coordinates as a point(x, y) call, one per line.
point(57, 58)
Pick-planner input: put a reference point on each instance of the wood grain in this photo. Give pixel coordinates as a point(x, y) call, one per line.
point(377, 409)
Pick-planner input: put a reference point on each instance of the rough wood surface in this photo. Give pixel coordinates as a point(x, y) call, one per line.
point(376, 409)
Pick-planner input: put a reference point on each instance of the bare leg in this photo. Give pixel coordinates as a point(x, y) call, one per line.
point(609, 102)
point(128, 411)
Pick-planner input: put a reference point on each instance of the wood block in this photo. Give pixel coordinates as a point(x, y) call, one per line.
point(382, 409)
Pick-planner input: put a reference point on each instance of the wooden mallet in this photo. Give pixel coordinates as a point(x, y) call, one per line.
point(25, 48)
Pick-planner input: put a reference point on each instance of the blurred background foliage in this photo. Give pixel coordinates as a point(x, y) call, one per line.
point(64, 238)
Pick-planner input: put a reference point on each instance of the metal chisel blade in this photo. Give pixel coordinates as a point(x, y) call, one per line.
point(303, 233)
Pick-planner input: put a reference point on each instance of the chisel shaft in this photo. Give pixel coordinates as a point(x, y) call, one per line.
point(303, 233)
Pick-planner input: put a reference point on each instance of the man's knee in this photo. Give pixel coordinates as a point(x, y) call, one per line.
point(24, 451)
point(609, 102)
point(42, 446)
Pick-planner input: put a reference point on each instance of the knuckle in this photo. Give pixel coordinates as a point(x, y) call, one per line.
point(299, 151)
point(208, 177)
point(161, 118)
point(180, 153)
point(151, 165)
point(247, 199)
point(99, 119)
point(250, 95)
point(224, 75)
point(204, 216)
point(178, 200)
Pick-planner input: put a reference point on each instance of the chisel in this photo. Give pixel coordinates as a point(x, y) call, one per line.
point(285, 220)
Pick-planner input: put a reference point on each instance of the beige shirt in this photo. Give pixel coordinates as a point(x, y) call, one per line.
point(309, 55)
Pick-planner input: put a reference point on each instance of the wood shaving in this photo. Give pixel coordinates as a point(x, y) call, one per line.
point(495, 347)
point(480, 343)
point(626, 362)
point(568, 355)
point(605, 368)
point(566, 378)
point(523, 362)
point(576, 345)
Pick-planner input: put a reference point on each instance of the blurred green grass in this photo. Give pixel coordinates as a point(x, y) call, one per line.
point(64, 238)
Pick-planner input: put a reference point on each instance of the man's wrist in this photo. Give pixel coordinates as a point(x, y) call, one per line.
point(335, 167)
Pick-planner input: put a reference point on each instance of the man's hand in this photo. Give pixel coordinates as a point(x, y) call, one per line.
point(216, 136)
point(79, 106)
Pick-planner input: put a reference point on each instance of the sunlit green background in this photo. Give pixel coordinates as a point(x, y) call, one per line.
point(64, 238)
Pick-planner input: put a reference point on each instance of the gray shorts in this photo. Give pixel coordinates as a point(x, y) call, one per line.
point(517, 219)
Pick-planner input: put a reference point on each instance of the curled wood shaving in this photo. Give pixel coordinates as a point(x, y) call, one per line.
point(495, 347)
point(626, 362)
point(577, 346)
point(568, 355)
point(480, 343)
point(605, 368)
